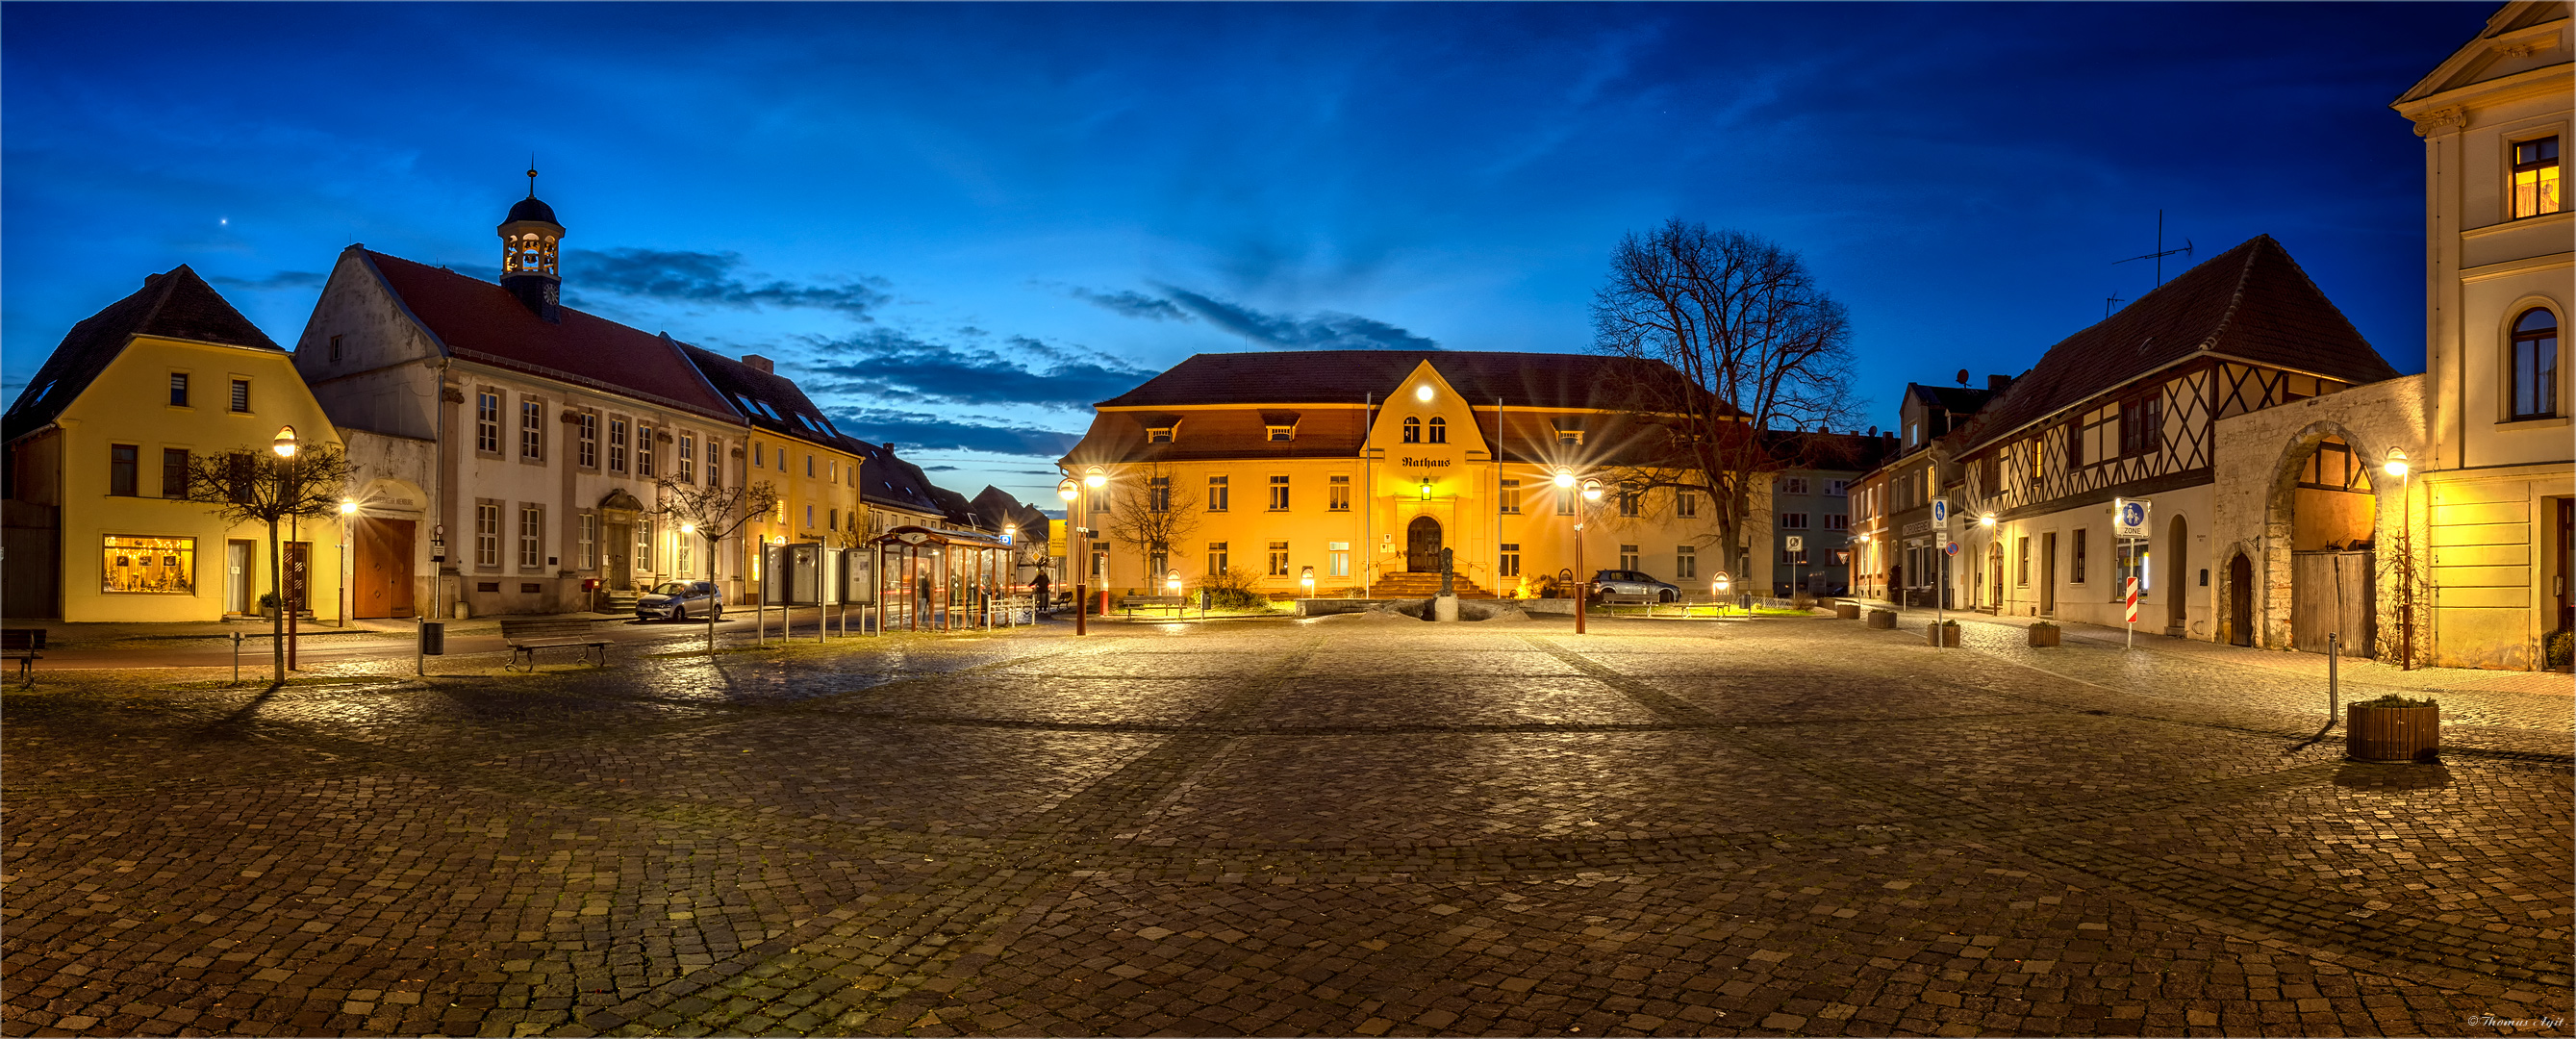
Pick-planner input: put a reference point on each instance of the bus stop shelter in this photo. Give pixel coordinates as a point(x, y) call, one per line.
point(944, 580)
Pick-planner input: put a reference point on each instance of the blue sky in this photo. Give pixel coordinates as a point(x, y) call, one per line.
point(958, 224)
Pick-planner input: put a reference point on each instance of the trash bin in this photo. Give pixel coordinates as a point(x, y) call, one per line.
point(433, 638)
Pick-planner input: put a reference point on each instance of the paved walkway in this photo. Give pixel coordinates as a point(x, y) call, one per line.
point(1341, 826)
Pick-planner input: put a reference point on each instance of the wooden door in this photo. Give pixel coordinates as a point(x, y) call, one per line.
point(1422, 545)
point(2565, 543)
point(2048, 575)
point(383, 568)
point(2330, 592)
point(621, 556)
point(299, 575)
point(2240, 600)
point(238, 578)
point(2177, 576)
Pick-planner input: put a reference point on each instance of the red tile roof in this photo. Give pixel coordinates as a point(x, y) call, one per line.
point(2250, 303)
point(480, 321)
point(176, 304)
point(1351, 376)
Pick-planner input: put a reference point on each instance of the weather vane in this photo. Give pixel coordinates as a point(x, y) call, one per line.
point(2160, 253)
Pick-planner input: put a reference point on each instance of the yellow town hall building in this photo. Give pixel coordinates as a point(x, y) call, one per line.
point(1360, 466)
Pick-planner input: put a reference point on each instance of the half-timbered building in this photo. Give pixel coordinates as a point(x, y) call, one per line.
point(2127, 409)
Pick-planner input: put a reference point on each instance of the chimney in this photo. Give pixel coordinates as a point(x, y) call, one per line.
point(1998, 383)
point(762, 363)
point(889, 447)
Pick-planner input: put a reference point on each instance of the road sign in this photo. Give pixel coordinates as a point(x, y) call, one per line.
point(1940, 513)
point(2129, 517)
point(2133, 600)
point(1951, 548)
point(1797, 543)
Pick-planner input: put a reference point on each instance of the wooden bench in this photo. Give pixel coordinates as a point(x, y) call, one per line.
point(526, 637)
point(26, 646)
point(1175, 603)
point(1625, 599)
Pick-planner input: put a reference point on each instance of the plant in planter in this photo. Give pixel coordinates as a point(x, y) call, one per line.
point(2393, 728)
point(2044, 634)
point(2560, 649)
point(268, 604)
point(1945, 633)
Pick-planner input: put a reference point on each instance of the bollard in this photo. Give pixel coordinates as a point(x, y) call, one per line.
point(2334, 688)
point(237, 658)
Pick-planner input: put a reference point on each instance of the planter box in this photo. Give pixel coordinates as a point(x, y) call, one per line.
point(1941, 635)
point(2043, 634)
point(1883, 619)
point(2401, 734)
point(1849, 611)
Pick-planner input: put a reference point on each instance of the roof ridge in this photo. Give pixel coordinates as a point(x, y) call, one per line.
point(2236, 297)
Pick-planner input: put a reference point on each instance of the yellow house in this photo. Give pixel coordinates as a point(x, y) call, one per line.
point(1359, 467)
point(98, 447)
point(792, 447)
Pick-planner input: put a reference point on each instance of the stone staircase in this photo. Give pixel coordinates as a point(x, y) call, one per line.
point(1423, 586)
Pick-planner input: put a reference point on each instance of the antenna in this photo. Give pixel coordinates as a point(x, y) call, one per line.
point(2160, 253)
point(2110, 303)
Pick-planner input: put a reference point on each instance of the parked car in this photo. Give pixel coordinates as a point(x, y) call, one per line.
point(1631, 582)
point(679, 601)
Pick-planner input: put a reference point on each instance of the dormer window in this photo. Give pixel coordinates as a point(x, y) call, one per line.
point(1412, 430)
point(1572, 437)
point(1279, 434)
point(1159, 434)
point(1279, 426)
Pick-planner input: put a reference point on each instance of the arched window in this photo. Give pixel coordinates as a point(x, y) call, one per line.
point(1439, 430)
point(1412, 430)
point(2535, 364)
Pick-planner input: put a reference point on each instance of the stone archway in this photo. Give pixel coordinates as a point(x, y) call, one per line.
point(2275, 602)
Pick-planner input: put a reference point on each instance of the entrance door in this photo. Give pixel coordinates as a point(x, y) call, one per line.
point(2331, 592)
point(1995, 573)
point(238, 580)
point(299, 576)
point(383, 568)
point(621, 556)
point(2240, 600)
point(2566, 563)
point(2177, 573)
point(2048, 575)
point(1422, 545)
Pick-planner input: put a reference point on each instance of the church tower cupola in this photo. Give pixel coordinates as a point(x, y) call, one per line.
point(529, 240)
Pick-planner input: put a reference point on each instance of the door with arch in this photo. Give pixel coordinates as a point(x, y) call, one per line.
point(2240, 600)
point(2177, 576)
point(1422, 545)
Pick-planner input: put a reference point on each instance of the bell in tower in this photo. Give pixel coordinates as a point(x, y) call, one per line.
point(529, 239)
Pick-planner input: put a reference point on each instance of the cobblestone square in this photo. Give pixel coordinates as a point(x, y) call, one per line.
point(1327, 827)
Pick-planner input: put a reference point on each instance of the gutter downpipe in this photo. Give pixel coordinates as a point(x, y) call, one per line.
point(1368, 513)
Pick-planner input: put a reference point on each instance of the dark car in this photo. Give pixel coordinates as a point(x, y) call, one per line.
point(679, 601)
point(1631, 582)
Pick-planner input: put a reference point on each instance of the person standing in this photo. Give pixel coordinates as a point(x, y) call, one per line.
point(1038, 586)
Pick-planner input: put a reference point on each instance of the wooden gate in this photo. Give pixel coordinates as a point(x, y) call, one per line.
point(383, 586)
point(2331, 592)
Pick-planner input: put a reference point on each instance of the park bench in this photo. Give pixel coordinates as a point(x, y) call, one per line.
point(526, 637)
point(1175, 603)
point(1625, 599)
point(26, 646)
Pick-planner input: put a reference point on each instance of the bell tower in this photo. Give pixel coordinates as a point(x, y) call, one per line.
point(529, 240)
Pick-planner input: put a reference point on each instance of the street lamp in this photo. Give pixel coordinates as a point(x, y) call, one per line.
point(1582, 577)
point(1307, 578)
point(1070, 490)
point(348, 595)
point(2397, 467)
point(284, 445)
point(1426, 488)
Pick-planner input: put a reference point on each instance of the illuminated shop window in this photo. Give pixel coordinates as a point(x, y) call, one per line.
point(163, 566)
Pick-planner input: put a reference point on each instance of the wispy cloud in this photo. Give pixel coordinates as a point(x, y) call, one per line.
point(279, 280)
point(689, 276)
point(887, 365)
point(916, 431)
point(1323, 330)
point(1133, 304)
point(1320, 330)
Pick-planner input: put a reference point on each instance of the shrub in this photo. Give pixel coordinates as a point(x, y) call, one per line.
point(1233, 590)
point(1803, 600)
point(2561, 648)
point(2394, 700)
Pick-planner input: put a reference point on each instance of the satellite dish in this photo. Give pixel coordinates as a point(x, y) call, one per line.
point(1963, 376)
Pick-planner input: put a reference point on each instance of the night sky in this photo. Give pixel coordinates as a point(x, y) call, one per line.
point(958, 225)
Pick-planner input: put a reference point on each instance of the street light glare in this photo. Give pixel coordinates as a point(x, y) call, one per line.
point(1592, 490)
point(1095, 478)
point(2396, 462)
point(1986, 520)
point(1067, 489)
point(1422, 392)
point(348, 506)
point(1564, 479)
point(284, 445)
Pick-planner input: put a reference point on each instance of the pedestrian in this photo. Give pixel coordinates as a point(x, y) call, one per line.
point(1038, 586)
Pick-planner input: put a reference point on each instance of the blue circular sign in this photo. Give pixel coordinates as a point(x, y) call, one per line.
point(2132, 513)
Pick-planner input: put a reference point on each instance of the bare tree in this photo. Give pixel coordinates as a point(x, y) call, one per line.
point(1151, 511)
point(257, 485)
point(714, 513)
point(1757, 345)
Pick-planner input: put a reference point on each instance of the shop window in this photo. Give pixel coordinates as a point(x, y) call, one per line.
point(1508, 563)
point(1412, 430)
point(2535, 365)
point(1338, 493)
point(156, 566)
point(2535, 178)
point(1509, 497)
point(174, 472)
point(1278, 494)
point(178, 389)
point(122, 461)
point(2131, 560)
point(1278, 559)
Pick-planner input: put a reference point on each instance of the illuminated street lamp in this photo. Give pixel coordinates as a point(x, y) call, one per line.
point(348, 595)
point(1564, 478)
point(1307, 578)
point(1422, 393)
point(1426, 488)
point(284, 445)
point(1582, 579)
point(1173, 582)
point(1095, 478)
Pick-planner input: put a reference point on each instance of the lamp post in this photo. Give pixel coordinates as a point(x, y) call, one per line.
point(284, 445)
point(1307, 578)
point(1582, 577)
point(1987, 522)
point(1717, 590)
point(348, 567)
point(2397, 467)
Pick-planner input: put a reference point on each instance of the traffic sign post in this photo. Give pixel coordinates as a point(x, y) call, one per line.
point(2133, 613)
point(2130, 520)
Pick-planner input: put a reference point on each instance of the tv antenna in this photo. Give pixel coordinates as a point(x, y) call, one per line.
point(2160, 253)
point(2110, 303)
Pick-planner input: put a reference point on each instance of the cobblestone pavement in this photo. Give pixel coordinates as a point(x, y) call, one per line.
point(1343, 826)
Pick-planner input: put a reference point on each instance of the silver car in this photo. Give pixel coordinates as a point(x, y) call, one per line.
point(679, 601)
point(1631, 582)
